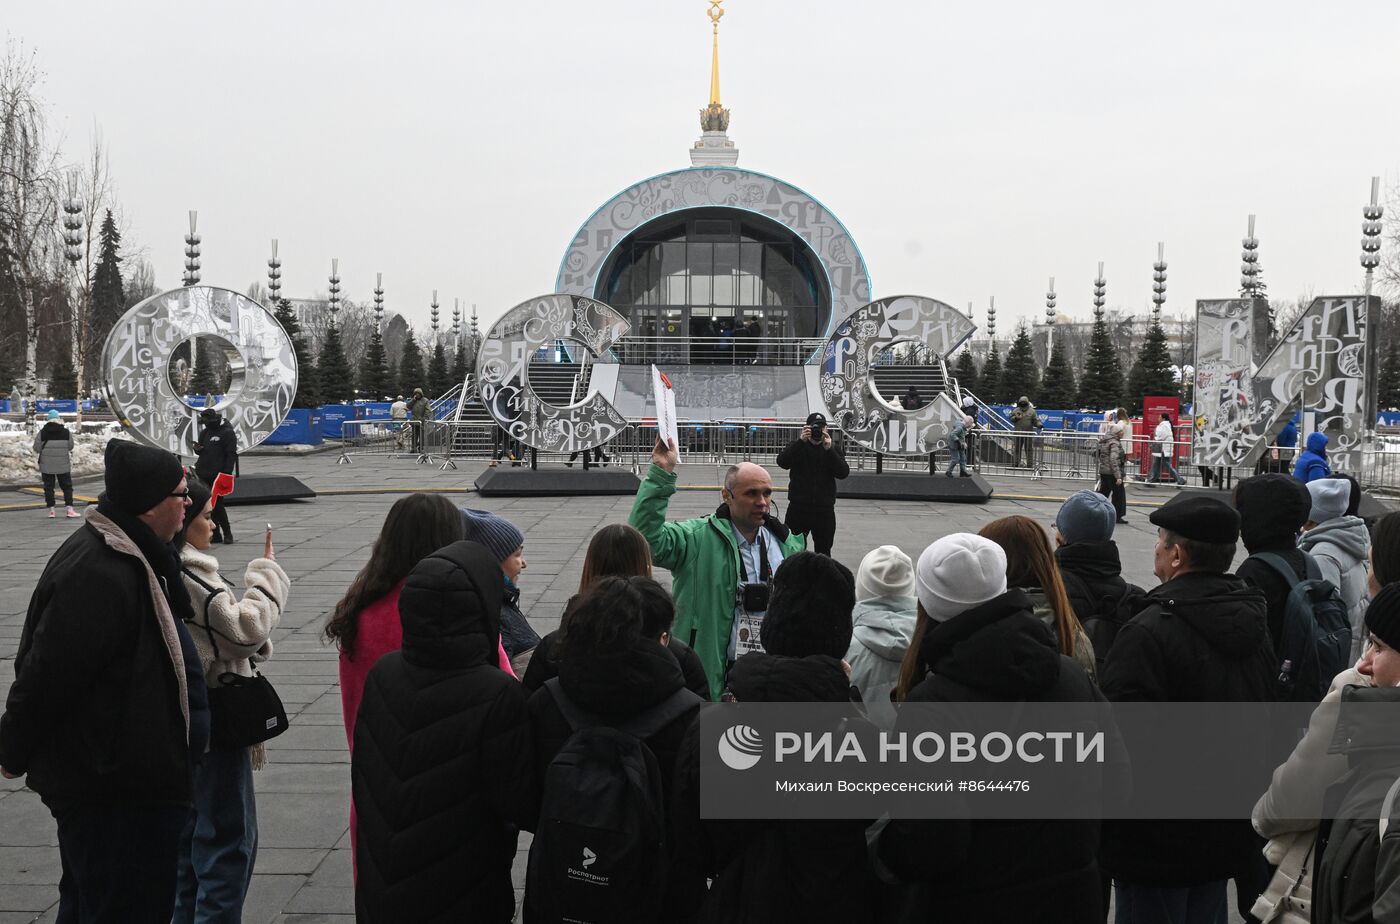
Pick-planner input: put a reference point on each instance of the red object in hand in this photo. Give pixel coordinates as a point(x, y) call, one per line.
point(223, 484)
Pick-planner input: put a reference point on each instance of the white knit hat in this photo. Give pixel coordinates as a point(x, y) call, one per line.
point(957, 573)
point(1329, 498)
point(885, 572)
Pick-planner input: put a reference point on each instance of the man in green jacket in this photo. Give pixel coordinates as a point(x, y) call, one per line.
point(711, 558)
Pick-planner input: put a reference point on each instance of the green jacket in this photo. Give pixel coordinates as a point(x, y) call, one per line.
point(703, 558)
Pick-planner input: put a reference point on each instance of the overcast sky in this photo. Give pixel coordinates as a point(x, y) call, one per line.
point(972, 149)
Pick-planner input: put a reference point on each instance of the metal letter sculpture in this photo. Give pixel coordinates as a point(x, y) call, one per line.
point(1246, 393)
point(503, 372)
point(848, 386)
point(137, 357)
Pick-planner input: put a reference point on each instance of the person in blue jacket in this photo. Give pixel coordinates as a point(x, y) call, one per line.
point(1312, 463)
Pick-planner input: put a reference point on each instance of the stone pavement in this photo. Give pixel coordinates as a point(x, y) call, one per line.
point(303, 871)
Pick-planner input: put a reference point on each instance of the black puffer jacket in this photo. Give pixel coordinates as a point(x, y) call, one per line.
point(815, 472)
point(544, 665)
point(1357, 872)
point(443, 766)
point(1093, 576)
point(963, 870)
point(775, 872)
point(1272, 509)
point(1200, 638)
point(218, 451)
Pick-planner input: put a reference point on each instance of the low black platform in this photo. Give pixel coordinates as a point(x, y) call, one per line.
point(510, 481)
point(920, 486)
point(266, 489)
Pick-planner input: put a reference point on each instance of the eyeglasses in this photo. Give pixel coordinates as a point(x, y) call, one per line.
point(185, 494)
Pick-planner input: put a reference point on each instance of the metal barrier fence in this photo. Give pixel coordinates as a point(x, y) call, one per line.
point(1045, 454)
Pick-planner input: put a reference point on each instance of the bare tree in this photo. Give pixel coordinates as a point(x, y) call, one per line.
point(140, 282)
point(1388, 273)
point(29, 197)
point(91, 185)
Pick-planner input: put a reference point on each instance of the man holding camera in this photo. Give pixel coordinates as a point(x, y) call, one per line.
point(721, 565)
point(816, 464)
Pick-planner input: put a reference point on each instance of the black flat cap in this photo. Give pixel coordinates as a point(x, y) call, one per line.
point(1194, 516)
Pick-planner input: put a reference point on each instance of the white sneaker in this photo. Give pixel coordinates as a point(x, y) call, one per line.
point(73, 513)
point(51, 514)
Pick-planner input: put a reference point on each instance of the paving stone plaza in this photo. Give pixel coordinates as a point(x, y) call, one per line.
point(303, 870)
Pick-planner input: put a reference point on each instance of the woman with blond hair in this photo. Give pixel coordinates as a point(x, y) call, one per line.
point(1031, 566)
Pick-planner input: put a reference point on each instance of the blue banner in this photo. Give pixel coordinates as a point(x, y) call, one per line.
point(301, 426)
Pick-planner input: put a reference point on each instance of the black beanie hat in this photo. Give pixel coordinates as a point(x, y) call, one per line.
point(1383, 616)
point(809, 612)
point(139, 477)
point(1272, 509)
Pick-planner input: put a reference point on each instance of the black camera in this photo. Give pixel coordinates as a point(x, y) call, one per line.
point(818, 426)
point(753, 598)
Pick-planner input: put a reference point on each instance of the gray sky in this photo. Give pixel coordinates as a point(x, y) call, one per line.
point(972, 149)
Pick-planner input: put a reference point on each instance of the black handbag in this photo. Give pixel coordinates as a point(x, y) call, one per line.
point(243, 711)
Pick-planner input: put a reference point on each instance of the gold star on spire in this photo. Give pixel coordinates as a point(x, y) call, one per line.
point(714, 117)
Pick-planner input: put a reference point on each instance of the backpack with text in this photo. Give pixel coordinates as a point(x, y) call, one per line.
point(600, 854)
point(1316, 638)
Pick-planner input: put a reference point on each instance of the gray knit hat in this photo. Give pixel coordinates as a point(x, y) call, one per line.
point(496, 533)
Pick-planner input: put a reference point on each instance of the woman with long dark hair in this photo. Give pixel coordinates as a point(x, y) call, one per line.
point(1031, 566)
point(365, 623)
point(616, 550)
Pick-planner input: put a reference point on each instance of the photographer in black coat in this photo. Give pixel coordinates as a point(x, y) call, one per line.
point(816, 464)
point(443, 767)
point(217, 449)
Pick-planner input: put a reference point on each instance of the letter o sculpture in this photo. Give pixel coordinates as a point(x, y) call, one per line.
point(502, 371)
point(848, 383)
point(137, 357)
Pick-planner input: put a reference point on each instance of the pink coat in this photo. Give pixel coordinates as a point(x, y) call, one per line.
point(380, 632)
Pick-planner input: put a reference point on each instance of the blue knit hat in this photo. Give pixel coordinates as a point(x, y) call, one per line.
point(1087, 516)
point(53, 415)
point(496, 533)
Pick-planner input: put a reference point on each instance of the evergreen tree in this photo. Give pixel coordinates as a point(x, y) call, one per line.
point(459, 363)
point(306, 369)
point(336, 381)
point(375, 378)
point(1102, 385)
point(203, 383)
point(1018, 374)
point(63, 379)
point(108, 295)
point(990, 377)
point(1388, 388)
point(439, 379)
point(411, 366)
point(7, 373)
point(966, 373)
point(1057, 388)
point(1152, 373)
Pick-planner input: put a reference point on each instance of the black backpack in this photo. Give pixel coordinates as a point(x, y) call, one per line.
point(1111, 612)
point(1316, 642)
point(600, 854)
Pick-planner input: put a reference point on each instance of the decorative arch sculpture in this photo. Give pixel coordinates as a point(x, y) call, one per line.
point(503, 372)
point(137, 356)
point(848, 384)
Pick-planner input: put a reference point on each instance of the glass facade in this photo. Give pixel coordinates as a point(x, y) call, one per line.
point(715, 273)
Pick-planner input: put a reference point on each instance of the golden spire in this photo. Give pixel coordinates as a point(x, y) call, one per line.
point(714, 117)
point(716, 12)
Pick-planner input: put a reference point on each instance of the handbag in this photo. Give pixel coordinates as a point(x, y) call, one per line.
point(243, 711)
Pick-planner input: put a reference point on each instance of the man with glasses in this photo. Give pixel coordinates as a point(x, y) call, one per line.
point(721, 565)
point(108, 712)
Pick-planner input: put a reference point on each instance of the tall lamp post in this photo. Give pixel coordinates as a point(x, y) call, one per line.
point(274, 277)
point(73, 253)
point(1159, 282)
point(1249, 268)
point(1370, 259)
point(1050, 314)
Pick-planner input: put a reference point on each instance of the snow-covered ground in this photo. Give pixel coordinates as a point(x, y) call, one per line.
point(20, 463)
